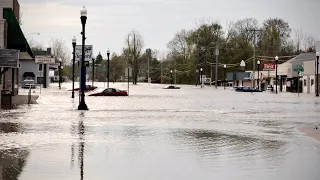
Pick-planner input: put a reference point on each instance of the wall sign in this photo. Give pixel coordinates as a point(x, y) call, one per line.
point(9, 58)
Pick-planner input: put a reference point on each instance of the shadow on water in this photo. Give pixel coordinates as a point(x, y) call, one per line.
point(9, 127)
point(209, 145)
point(12, 161)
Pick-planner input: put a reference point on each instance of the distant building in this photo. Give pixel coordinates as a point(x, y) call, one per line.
point(28, 69)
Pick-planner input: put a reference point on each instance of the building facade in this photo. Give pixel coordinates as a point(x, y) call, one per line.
point(28, 69)
point(12, 37)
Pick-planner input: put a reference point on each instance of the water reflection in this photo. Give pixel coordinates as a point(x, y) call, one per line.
point(81, 130)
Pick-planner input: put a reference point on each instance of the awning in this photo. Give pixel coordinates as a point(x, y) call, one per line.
point(26, 74)
point(15, 37)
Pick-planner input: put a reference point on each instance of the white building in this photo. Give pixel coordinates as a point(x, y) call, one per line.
point(309, 77)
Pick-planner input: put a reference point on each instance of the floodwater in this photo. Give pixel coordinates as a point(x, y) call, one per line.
point(161, 134)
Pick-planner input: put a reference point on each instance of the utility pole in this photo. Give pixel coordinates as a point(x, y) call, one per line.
point(175, 72)
point(148, 51)
point(114, 71)
point(217, 60)
point(161, 72)
point(254, 55)
point(211, 71)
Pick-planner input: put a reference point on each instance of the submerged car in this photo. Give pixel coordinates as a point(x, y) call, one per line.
point(110, 92)
point(88, 88)
point(28, 83)
point(246, 89)
point(172, 87)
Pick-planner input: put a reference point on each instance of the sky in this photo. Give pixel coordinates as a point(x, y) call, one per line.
point(109, 21)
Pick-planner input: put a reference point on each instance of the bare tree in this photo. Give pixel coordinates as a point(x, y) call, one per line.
point(310, 43)
point(133, 52)
point(298, 39)
point(36, 46)
point(60, 50)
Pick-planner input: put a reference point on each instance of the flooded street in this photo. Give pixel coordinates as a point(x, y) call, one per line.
point(161, 134)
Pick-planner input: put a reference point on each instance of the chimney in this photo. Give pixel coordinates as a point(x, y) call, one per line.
point(48, 51)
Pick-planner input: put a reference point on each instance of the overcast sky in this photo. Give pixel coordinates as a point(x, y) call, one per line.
point(157, 20)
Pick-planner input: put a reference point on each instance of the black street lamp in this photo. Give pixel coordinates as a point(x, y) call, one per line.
point(317, 75)
point(276, 58)
point(197, 72)
point(82, 104)
point(243, 66)
point(201, 71)
point(171, 77)
point(60, 61)
point(93, 71)
point(258, 63)
point(108, 55)
point(225, 76)
point(74, 42)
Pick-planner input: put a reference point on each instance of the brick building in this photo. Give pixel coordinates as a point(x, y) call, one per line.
point(12, 37)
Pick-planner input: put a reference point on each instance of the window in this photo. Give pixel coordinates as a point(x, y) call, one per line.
point(305, 82)
point(39, 80)
point(40, 67)
point(312, 82)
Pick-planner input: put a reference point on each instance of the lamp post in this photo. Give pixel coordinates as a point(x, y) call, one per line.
point(171, 77)
point(258, 63)
point(74, 42)
point(60, 61)
point(276, 58)
point(108, 73)
point(225, 75)
point(93, 71)
point(197, 72)
point(148, 51)
point(82, 104)
point(217, 60)
point(61, 75)
point(242, 65)
point(317, 75)
point(201, 71)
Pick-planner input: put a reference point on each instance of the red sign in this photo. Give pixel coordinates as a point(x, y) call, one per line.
point(269, 66)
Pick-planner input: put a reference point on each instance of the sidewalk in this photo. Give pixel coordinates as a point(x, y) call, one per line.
point(311, 132)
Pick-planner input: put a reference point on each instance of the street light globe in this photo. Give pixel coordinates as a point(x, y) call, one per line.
point(74, 40)
point(108, 51)
point(242, 63)
point(61, 67)
point(201, 69)
point(225, 66)
point(60, 60)
point(170, 71)
point(276, 58)
point(317, 54)
point(258, 62)
point(83, 11)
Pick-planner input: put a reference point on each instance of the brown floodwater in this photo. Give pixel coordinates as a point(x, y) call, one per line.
point(161, 134)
